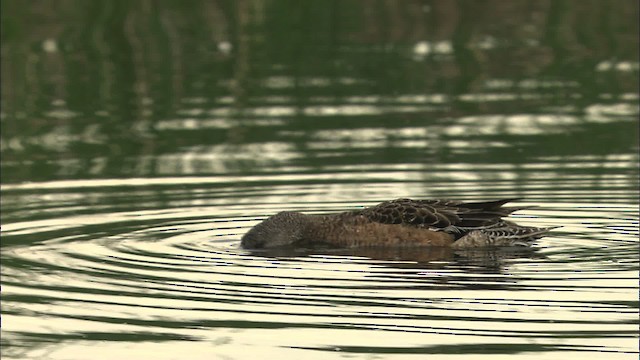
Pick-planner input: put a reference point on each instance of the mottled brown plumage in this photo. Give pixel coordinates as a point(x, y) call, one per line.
point(398, 223)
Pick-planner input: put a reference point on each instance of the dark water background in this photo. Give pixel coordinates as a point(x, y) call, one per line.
point(141, 139)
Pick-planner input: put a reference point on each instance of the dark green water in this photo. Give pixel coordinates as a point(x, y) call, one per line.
point(141, 139)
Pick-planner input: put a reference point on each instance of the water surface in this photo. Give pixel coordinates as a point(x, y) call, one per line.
point(140, 141)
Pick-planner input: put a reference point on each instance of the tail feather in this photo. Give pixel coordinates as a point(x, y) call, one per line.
point(483, 215)
point(488, 205)
point(517, 232)
point(486, 211)
point(512, 209)
point(511, 235)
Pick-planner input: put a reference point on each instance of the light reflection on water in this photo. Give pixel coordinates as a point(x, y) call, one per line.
point(174, 272)
point(132, 165)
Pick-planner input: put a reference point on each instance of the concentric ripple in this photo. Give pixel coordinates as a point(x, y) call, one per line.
point(172, 278)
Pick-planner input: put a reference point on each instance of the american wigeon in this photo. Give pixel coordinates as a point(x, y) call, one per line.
point(401, 222)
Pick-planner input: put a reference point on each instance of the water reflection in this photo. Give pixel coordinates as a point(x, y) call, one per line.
point(176, 273)
point(416, 259)
point(463, 75)
point(140, 140)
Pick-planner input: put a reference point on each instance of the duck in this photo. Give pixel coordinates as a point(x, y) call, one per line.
point(398, 223)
